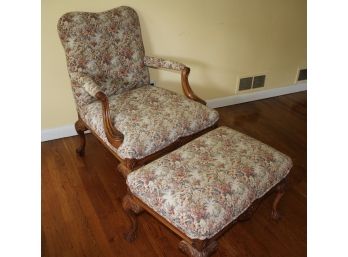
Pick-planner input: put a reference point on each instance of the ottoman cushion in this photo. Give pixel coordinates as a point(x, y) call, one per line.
point(206, 184)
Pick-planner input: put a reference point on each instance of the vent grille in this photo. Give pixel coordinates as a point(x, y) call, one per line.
point(259, 81)
point(245, 83)
point(302, 75)
point(252, 82)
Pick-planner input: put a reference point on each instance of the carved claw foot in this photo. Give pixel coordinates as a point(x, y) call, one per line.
point(191, 251)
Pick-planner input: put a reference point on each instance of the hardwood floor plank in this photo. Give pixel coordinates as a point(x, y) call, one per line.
point(81, 196)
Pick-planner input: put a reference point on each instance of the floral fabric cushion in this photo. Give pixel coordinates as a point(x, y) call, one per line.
point(105, 46)
point(206, 184)
point(150, 118)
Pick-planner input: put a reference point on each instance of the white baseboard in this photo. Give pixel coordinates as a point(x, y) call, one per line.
point(258, 95)
point(69, 130)
point(59, 132)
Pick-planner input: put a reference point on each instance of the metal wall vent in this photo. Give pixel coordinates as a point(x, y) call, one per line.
point(302, 75)
point(252, 82)
point(259, 81)
point(245, 83)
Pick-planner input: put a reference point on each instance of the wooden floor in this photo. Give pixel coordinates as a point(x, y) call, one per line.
point(81, 197)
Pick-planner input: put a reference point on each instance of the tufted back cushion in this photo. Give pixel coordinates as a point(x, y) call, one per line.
point(105, 46)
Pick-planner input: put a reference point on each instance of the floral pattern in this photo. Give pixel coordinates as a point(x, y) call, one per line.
point(206, 184)
point(108, 86)
point(105, 52)
point(89, 85)
point(150, 118)
point(155, 62)
point(107, 47)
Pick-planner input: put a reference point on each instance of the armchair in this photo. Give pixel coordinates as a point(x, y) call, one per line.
point(110, 81)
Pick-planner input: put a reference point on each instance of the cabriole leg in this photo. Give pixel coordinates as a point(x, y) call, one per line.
point(280, 190)
point(132, 209)
point(80, 128)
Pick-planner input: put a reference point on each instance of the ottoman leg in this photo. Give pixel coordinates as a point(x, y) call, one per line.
point(200, 249)
point(132, 209)
point(280, 190)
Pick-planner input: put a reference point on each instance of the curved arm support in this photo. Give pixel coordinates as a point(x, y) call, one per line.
point(114, 136)
point(187, 88)
point(160, 63)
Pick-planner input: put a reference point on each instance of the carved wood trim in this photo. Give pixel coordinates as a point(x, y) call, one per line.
point(187, 88)
point(114, 136)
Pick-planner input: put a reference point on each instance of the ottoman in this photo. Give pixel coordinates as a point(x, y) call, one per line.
point(201, 189)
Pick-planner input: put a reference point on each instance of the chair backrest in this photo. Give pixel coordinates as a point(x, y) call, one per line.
point(105, 46)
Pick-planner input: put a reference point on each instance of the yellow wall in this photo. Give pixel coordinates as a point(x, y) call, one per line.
point(220, 40)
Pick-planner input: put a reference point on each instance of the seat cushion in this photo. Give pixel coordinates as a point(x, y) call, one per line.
point(206, 184)
point(150, 118)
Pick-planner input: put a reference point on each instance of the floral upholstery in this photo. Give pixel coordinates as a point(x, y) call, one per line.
point(105, 52)
point(155, 62)
point(150, 118)
point(206, 184)
point(107, 47)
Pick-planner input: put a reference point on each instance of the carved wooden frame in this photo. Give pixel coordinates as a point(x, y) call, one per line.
point(195, 248)
point(115, 137)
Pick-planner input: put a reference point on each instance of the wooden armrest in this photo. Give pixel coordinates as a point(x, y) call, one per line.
point(114, 136)
point(187, 88)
